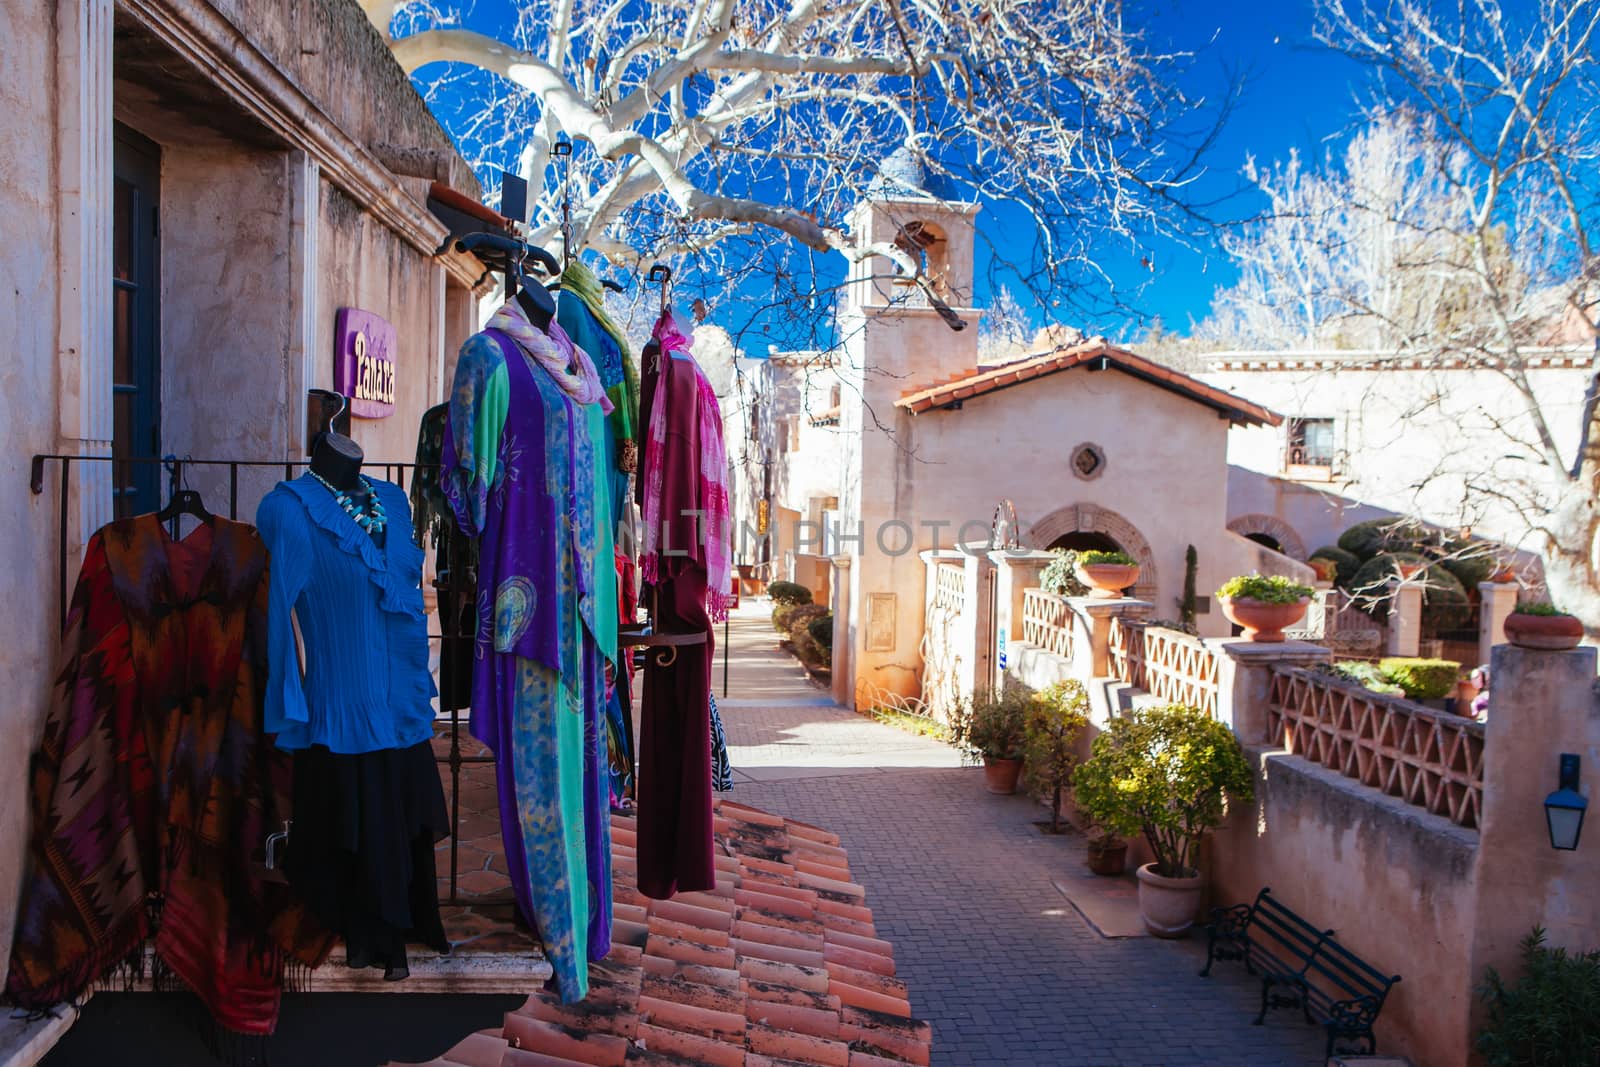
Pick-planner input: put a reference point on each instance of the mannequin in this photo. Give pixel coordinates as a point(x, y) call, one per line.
point(536, 303)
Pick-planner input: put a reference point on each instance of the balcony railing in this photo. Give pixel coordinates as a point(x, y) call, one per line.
point(1047, 622)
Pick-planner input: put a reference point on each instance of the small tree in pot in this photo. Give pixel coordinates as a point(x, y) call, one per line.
point(1056, 717)
point(1164, 772)
point(991, 726)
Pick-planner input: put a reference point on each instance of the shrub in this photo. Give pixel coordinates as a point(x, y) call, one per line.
point(1368, 539)
point(1188, 603)
point(1471, 562)
point(1444, 600)
point(1371, 580)
point(788, 593)
point(1345, 563)
point(1164, 772)
point(1366, 675)
point(1096, 555)
point(1061, 575)
point(801, 616)
point(991, 724)
point(781, 613)
point(1275, 589)
point(1056, 716)
point(1539, 607)
point(1421, 679)
point(1550, 1017)
point(821, 630)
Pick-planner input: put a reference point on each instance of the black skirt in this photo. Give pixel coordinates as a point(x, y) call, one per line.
point(361, 851)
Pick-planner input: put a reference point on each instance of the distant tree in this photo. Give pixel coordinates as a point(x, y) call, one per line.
point(1005, 329)
point(1458, 228)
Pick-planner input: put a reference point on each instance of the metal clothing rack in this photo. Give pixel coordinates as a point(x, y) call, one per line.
point(399, 473)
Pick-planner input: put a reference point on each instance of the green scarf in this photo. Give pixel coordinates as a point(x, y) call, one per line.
point(584, 284)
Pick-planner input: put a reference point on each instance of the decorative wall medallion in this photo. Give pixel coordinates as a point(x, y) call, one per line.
point(1088, 461)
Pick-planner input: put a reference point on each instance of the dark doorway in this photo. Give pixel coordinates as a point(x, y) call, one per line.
point(1087, 541)
point(135, 344)
point(1266, 540)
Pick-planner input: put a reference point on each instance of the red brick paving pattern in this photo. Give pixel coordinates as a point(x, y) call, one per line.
point(778, 966)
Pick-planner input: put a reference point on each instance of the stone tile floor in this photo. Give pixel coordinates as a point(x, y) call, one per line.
point(960, 882)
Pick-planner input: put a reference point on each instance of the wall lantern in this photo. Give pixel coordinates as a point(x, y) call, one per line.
point(1564, 808)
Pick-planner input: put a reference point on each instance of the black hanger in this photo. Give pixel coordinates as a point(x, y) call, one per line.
point(507, 254)
point(181, 500)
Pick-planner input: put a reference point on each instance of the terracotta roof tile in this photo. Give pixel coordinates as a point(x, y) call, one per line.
point(778, 966)
point(978, 382)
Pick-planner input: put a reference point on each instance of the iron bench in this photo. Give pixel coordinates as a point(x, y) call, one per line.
point(1301, 967)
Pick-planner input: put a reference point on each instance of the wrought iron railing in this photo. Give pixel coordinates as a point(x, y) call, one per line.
point(1047, 621)
point(1427, 758)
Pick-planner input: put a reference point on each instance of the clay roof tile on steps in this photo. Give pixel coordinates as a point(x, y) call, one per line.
point(778, 966)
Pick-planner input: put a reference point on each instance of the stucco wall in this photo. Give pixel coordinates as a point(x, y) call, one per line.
point(1316, 513)
point(1165, 469)
point(1394, 882)
point(30, 276)
point(1409, 440)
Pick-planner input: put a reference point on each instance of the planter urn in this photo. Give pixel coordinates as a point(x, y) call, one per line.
point(1550, 633)
point(1000, 775)
point(1263, 621)
point(1108, 859)
point(1106, 581)
point(1168, 906)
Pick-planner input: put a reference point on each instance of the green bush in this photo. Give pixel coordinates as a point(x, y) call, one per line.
point(1550, 1017)
point(1539, 607)
point(1060, 576)
point(1471, 562)
point(1274, 589)
point(1368, 539)
point(1164, 772)
point(780, 615)
point(788, 593)
point(1345, 563)
point(1366, 675)
point(821, 630)
point(1096, 555)
point(1371, 580)
point(1421, 679)
point(991, 724)
point(1445, 605)
point(1188, 603)
point(801, 616)
point(1056, 716)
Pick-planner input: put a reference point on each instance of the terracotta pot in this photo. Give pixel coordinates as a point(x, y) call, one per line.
point(1408, 571)
point(1263, 621)
point(1000, 775)
point(1106, 581)
point(1108, 860)
point(1168, 906)
point(1552, 633)
point(1326, 569)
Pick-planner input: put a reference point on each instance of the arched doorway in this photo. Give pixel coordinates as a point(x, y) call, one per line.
point(1270, 531)
point(1090, 526)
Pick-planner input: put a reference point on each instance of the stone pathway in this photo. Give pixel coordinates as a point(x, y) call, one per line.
point(960, 882)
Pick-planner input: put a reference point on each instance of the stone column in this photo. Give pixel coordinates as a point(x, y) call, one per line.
point(1497, 601)
point(1244, 680)
point(977, 619)
point(844, 685)
point(1095, 616)
point(1405, 619)
point(1541, 704)
point(1015, 571)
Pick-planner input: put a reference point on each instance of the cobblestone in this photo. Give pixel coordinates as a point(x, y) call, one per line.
point(960, 882)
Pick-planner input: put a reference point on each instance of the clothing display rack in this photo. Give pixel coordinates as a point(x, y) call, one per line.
point(400, 474)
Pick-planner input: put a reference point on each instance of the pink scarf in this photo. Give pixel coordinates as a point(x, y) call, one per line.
point(712, 482)
point(555, 352)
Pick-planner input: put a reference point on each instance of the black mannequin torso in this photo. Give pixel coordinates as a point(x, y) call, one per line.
point(537, 304)
point(336, 459)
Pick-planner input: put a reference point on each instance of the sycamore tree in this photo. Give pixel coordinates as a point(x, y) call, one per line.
point(739, 133)
point(1457, 230)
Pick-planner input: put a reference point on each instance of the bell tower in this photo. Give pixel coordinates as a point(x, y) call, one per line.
point(893, 342)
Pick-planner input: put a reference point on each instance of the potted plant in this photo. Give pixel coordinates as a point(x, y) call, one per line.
point(1108, 853)
point(1106, 574)
point(991, 727)
point(1164, 772)
point(1056, 717)
point(1544, 626)
point(1264, 605)
point(1326, 569)
point(1061, 575)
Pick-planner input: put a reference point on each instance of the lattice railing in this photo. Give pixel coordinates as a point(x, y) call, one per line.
point(1047, 622)
point(1179, 668)
point(1125, 651)
point(1428, 758)
point(950, 588)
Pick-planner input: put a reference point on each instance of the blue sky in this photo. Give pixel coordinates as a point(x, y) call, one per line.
point(1295, 95)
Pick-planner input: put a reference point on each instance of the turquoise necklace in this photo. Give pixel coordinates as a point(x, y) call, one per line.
point(369, 515)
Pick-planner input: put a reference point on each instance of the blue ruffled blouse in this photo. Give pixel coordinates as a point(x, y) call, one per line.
point(366, 684)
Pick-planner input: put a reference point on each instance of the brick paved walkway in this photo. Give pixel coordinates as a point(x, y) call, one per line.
point(960, 882)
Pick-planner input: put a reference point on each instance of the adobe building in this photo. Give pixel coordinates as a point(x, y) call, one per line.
point(194, 192)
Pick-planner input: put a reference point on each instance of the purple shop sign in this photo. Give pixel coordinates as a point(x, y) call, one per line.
point(363, 362)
